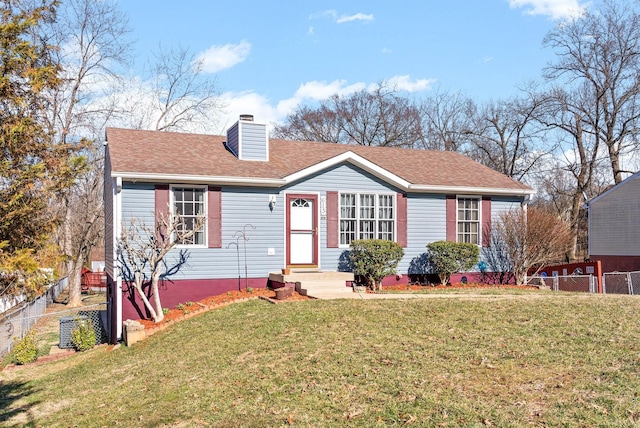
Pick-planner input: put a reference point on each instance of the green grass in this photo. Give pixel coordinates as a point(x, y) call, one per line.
point(550, 360)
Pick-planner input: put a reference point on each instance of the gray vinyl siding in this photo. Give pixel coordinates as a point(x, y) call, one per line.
point(245, 208)
point(232, 139)
point(614, 221)
point(138, 201)
point(341, 178)
point(241, 209)
point(500, 204)
point(253, 143)
point(426, 223)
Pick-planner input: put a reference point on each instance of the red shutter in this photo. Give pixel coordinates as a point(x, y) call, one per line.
point(214, 222)
point(332, 220)
point(486, 221)
point(162, 200)
point(402, 220)
point(452, 216)
point(161, 206)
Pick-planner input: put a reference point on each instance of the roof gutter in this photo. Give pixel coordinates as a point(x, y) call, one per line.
point(279, 182)
point(465, 190)
point(199, 179)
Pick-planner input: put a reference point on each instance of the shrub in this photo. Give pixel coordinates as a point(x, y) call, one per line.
point(83, 337)
point(25, 350)
point(374, 259)
point(448, 258)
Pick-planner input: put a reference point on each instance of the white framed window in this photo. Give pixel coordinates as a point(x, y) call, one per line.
point(190, 203)
point(366, 216)
point(469, 220)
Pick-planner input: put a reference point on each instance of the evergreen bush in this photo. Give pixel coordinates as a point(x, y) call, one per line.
point(25, 350)
point(447, 258)
point(374, 259)
point(83, 337)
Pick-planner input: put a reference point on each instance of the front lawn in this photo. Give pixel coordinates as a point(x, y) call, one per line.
point(553, 360)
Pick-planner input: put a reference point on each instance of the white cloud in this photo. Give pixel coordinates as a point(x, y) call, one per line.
point(137, 96)
point(485, 59)
point(315, 90)
point(404, 83)
point(266, 111)
point(221, 57)
point(333, 15)
point(237, 103)
point(386, 51)
point(355, 17)
point(556, 9)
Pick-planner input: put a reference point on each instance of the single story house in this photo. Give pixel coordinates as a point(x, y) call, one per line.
point(271, 204)
point(614, 227)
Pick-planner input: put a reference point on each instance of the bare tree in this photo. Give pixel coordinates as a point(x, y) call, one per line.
point(83, 226)
point(379, 117)
point(91, 40)
point(533, 238)
point(175, 95)
point(506, 136)
point(307, 124)
point(598, 54)
point(573, 179)
point(447, 121)
point(142, 251)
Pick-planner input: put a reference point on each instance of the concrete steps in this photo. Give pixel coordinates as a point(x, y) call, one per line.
point(318, 284)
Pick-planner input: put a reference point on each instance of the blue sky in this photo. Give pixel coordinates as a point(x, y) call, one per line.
point(268, 57)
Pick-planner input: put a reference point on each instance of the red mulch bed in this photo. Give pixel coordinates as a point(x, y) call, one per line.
point(233, 296)
point(222, 299)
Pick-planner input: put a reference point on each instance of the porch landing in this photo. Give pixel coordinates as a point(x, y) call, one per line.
point(317, 284)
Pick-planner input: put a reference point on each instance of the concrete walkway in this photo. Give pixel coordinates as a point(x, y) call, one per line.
point(371, 296)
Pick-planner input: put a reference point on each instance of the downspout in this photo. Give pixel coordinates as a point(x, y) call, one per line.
point(117, 229)
point(524, 204)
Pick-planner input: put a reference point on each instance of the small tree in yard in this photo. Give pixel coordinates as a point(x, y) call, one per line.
point(142, 250)
point(374, 259)
point(534, 237)
point(448, 258)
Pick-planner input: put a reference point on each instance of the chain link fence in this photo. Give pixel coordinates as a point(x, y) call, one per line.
point(621, 283)
point(577, 283)
point(17, 321)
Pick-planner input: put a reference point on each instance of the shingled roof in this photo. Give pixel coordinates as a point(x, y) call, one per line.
point(180, 157)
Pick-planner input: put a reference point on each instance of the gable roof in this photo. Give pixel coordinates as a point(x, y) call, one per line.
point(632, 179)
point(155, 156)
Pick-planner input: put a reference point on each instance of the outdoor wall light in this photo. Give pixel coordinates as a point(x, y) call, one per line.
point(272, 202)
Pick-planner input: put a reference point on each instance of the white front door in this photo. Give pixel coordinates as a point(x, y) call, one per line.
point(302, 230)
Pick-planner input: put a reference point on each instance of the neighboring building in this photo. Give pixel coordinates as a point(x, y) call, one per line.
point(614, 227)
point(299, 203)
